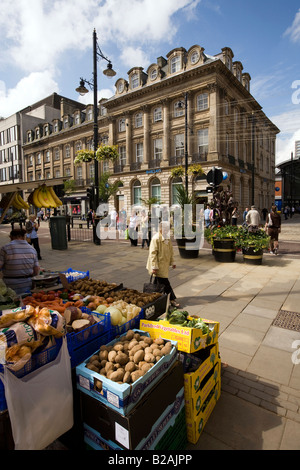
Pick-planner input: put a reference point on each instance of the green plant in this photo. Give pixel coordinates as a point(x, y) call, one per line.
point(187, 203)
point(106, 189)
point(107, 152)
point(218, 232)
point(195, 169)
point(69, 186)
point(257, 239)
point(177, 171)
point(83, 156)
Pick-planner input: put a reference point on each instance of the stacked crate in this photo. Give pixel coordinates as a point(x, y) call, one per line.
point(199, 355)
point(146, 415)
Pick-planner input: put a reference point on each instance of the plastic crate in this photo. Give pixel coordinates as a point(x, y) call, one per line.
point(134, 323)
point(73, 275)
point(77, 340)
point(78, 355)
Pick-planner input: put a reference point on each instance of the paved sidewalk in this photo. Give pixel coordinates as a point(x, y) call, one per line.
point(259, 407)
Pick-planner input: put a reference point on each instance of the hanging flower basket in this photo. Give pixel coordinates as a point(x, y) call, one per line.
point(178, 171)
point(83, 156)
point(107, 152)
point(195, 170)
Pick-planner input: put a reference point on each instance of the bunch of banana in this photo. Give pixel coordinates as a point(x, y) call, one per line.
point(44, 197)
point(19, 203)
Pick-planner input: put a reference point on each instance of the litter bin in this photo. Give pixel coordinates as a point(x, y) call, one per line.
point(58, 232)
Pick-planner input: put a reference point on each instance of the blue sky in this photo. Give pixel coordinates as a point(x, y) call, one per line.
point(46, 48)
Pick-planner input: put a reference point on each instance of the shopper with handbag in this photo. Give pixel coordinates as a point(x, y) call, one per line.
point(161, 258)
point(31, 234)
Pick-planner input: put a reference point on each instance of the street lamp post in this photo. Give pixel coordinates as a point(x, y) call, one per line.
point(82, 90)
point(186, 162)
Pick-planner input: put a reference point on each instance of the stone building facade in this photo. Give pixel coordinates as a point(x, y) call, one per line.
point(187, 105)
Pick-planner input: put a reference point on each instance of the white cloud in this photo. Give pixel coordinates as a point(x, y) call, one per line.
point(294, 30)
point(28, 90)
point(89, 97)
point(132, 57)
point(289, 125)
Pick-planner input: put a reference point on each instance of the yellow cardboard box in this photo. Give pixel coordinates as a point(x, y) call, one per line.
point(193, 380)
point(188, 339)
point(196, 424)
point(194, 400)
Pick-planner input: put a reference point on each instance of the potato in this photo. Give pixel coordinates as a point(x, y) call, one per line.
point(102, 371)
point(98, 385)
point(146, 366)
point(143, 344)
point(157, 352)
point(136, 375)
point(147, 340)
point(137, 336)
point(132, 343)
point(159, 341)
point(166, 349)
point(92, 367)
point(149, 358)
point(112, 356)
point(118, 347)
point(95, 357)
point(138, 356)
point(135, 348)
point(121, 358)
point(96, 363)
point(129, 335)
point(103, 355)
point(130, 366)
point(109, 366)
point(127, 377)
point(103, 347)
point(118, 375)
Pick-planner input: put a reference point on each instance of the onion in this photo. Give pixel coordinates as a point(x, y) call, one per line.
point(115, 315)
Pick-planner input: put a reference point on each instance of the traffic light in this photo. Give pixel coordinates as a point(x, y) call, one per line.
point(90, 195)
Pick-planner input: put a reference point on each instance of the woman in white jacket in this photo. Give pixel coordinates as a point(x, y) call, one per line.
point(161, 258)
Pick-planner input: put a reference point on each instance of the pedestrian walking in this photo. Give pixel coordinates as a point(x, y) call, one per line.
point(18, 262)
point(286, 212)
point(234, 216)
point(31, 234)
point(264, 213)
point(273, 228)
point(144, 227)
point(133, 229)
point(253, 218)
point(161, 258)
point(206, 216)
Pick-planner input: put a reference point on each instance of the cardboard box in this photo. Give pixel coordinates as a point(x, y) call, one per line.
point(156, 308)
point(160, 413)
point(122, 397)
point(195, 399)
point(193, 380)
point(188, 339)
point(195, 425)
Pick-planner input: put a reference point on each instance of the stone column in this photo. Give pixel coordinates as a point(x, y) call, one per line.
point(146, 119)
point(129, 151)
point(166, 133)
point(213, 123)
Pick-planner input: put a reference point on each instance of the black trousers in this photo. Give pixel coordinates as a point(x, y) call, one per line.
point(35, 244)
point(168, 289)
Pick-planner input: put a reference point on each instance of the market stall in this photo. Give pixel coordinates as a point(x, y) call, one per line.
point(152, 373)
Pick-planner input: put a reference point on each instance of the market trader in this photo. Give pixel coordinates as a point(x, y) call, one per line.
point(18, 262)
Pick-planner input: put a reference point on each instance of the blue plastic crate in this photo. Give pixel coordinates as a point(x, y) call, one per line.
point(77, 340)
point(134, 323)
point(78, 355)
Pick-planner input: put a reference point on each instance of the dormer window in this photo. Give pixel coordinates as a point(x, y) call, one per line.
point(153, 74)
point(175, 64)
point(195, 56)
point(134, 81)
point(77, 118)
point(121, 87)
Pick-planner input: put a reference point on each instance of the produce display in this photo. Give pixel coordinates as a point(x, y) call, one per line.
point(132, 296)
point(128, 359)
point(120, 312)
point(8, 297)
point(177, 317)
point(88, 286)
point(25, 330)
point(51, 300)
point(44, 196)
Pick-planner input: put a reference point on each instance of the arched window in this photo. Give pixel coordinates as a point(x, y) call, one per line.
point(156, 189)
point(137, 192)
point(175, 183)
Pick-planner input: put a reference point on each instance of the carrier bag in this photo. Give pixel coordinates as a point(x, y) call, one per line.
point(40, 405)
point(152, 286)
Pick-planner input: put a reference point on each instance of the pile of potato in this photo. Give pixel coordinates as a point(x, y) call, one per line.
point(128, 359)
point(88, 286)
point(132, 296)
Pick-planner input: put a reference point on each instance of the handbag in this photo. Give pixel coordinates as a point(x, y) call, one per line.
point(151, 287)
point(126, 234)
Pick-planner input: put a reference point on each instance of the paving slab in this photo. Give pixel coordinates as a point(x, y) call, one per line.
point(272, 363)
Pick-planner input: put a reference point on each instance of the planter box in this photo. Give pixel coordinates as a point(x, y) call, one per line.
point(224, 250)
point(252, 257)
point(140, 429)
point(188, 339)
point(122, 397)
